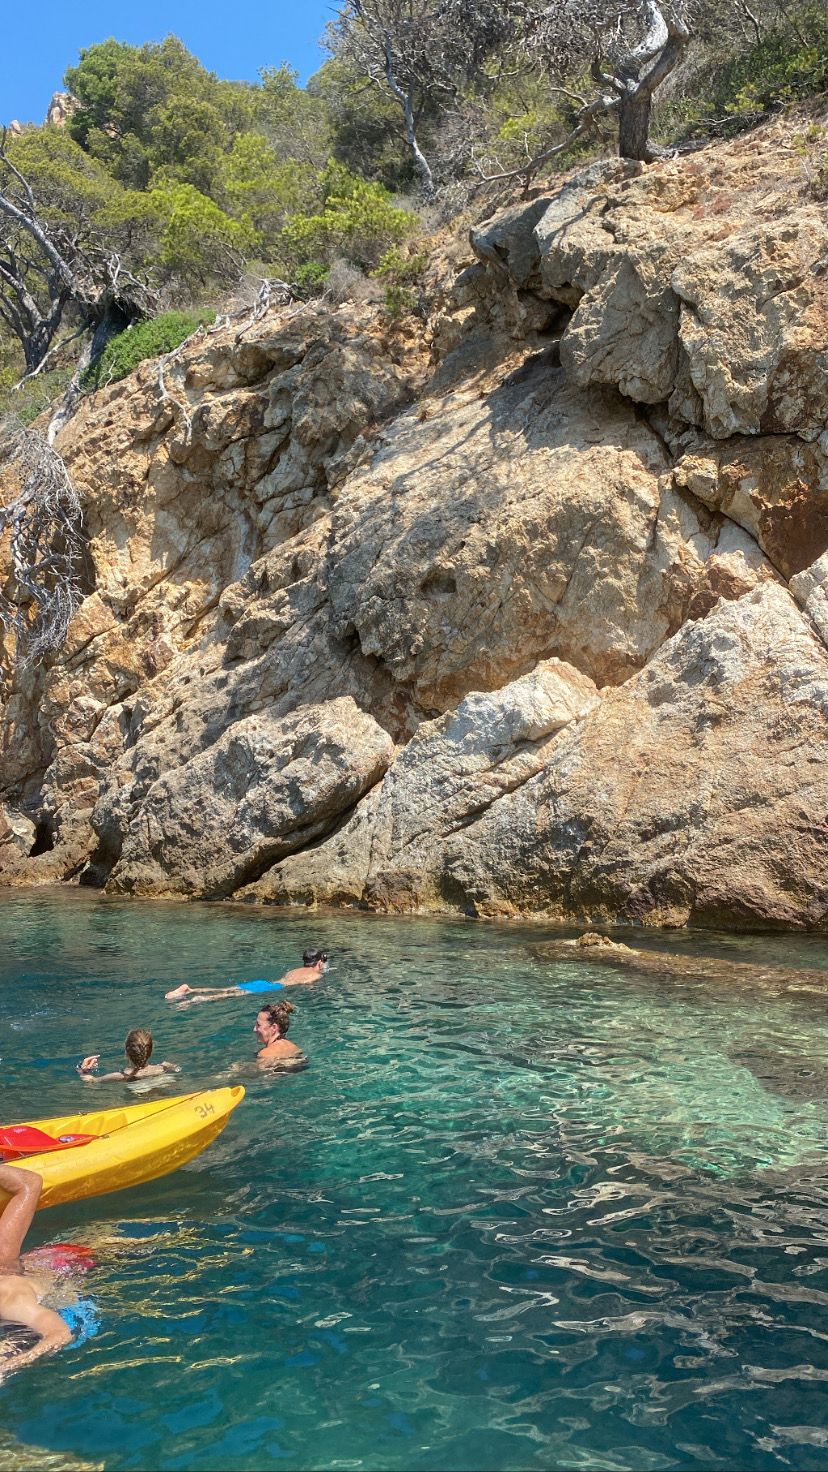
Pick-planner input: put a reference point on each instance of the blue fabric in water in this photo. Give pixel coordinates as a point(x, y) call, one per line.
point(252, 987)
point(81, 1318)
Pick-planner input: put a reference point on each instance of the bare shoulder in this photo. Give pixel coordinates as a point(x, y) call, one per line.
point(282, 1048)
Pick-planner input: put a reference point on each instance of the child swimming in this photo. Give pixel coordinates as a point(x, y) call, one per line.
point(138, 1049)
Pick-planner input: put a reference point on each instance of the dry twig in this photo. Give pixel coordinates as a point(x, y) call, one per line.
point(47, 543)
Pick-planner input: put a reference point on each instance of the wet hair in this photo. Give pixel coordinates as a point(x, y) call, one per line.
point(312, 958)
point(138, 1047)
point(278, 1014)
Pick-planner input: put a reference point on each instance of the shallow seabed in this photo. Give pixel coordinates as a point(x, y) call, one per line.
point(517, 1214)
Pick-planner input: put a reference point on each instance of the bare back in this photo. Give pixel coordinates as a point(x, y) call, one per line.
point(301, 976)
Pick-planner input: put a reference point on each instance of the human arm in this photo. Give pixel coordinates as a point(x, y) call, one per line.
point(87, 1068)
point(19, 1305)
point(170, 1067)
point(23, 1188)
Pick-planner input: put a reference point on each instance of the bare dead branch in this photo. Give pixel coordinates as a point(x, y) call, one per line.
point(601, 106)
point(47, 544)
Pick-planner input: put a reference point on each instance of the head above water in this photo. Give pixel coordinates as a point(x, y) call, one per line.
point(272, 1021)
point(315, 958)
point(138, 1047)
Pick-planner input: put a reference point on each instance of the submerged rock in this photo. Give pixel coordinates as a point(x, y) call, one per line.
point(601, 950)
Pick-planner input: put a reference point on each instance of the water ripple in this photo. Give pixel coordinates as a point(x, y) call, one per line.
point(512, 1216)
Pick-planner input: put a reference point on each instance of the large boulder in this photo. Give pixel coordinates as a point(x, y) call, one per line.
point(682, 290)
point(774, 486)
point(389, 854)
point(492, 532)
point(264, 788)
point(698, 792)
point(810, 589)
point(753, 329)
point(17, 833)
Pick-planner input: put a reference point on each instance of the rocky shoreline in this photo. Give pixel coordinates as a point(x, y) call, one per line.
point(522, 611)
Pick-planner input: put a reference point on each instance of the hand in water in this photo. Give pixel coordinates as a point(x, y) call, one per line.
point(177, 993)
point(88, 1065)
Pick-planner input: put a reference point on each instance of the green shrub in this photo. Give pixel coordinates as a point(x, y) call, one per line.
point(34, 396)
point(400, 270)
point(777, 70)
point(809, 147)
point(400, 301)
point(199, 242)
point(402, 275)
point(731, 94)
point(358, 222)
point(143, 340)
point(310, 278)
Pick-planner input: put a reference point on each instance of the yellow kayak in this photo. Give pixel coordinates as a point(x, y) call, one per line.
point(133, 1144)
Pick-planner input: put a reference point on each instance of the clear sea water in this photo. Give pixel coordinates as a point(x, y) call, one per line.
point(515, 1214)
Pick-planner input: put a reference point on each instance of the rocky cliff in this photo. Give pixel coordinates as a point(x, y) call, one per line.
point(521, 612)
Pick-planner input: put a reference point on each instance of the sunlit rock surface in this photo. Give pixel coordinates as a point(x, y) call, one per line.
point(519, 609)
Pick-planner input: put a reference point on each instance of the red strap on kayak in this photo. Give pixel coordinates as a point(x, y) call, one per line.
point(26, 1139)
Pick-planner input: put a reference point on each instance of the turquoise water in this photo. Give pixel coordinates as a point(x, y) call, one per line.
point(514, 1215)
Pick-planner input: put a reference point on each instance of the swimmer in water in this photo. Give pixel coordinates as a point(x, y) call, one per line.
point(21, 1293)
point(138, 1049)
point(270, 1028)
point(313, 968)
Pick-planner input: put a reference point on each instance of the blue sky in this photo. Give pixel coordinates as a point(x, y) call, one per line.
point(40, 38)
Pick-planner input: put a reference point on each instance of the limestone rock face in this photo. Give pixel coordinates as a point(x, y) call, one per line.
point(17, 833)
point(696, 792)
point(178, 510)
point(60, 109)
point(389, 854)
point(776, 487)
point(810, 589)
point(501, 531)
point(263, 788)
point(522, 608)
point(682, 293)
point(177, 517)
